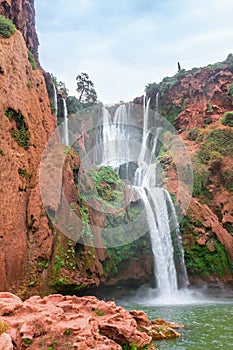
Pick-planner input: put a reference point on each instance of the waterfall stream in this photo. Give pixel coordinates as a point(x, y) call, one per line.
point(55, 101)
point(169, 268)
point(65, 134)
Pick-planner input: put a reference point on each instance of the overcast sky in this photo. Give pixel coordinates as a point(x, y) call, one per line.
point(125, 44)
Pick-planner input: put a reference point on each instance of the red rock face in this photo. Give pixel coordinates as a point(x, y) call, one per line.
point(77, 323)
point(25, 233)
point(22, 13)
point(202, 96)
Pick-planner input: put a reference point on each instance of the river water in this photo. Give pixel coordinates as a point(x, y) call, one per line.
point(208, 322)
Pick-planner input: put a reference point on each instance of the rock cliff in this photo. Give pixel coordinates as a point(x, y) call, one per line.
point(26, 123)
point(22, 13)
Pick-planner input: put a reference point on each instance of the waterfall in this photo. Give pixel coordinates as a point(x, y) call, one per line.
point(157, 102)
point(169, 267)
point(65, 133)
point(55, 100)
point(114, 149)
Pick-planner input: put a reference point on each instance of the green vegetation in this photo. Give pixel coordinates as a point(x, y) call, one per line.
point(29, 84)
point(98, 312)
point(67, 331)
point(31, 284)
point(193, 134)
point(227, 119)
point(216, 140)
point(86, 228)
point(201, 261)
point(231, 89)
point(21, 133)
point(135, 347)
point(227, 179)
point(32, 60)
point(200, 178)
point(85, 89)
point(27, 341)
point(7, 27)
point(24, 173)
point(73, 105)
point(215, 144)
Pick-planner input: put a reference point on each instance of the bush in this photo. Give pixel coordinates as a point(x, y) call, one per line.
point(216, 140)
point(231, 89)
point(193, 134)
point(7, 27)
point(32, 60)
point(21, 133)
point(201, 178)
point(227, 119)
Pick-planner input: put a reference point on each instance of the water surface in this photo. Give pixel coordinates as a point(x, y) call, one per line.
point(208, 322)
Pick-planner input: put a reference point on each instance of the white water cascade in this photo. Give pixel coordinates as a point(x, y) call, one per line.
point(160, 211)
point(55, 101)
point(65, 133)
point(115, 136)
point(169, 267)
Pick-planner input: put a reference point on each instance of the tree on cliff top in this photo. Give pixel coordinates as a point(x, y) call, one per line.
point(85, 88)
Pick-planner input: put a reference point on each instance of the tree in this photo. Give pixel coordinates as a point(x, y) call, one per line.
point(73, 105)
point(85, 88)
point(179, 67)
point(62, 87)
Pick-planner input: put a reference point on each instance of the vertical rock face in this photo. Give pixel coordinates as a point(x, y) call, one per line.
point(26, 123)
point(22, 13)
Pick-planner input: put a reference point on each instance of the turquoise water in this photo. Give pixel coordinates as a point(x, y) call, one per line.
point(208, 322)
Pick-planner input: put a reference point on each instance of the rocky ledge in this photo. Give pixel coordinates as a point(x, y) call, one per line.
point(69, 322)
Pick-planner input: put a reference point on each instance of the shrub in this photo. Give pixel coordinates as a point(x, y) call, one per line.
point(21, 133)
point(231, 89)
point(201, 177)
point(7, 27)
point(32, 60)
point(193, 134)
point(227, 119)
point(216, 140)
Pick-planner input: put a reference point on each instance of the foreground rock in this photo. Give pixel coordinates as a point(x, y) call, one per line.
point(69, 322)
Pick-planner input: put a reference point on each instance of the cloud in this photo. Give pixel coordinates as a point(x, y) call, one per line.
point(125, 44)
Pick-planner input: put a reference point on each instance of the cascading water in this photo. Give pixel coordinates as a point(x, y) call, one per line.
point(55, 100)
point(65, 133)
point(114, 137)
point(169, 268)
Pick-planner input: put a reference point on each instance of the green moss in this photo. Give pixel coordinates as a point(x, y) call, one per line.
point(7, 27)
point(200, 261)
point(32, 60)
point(227, 119)
point(98, 312)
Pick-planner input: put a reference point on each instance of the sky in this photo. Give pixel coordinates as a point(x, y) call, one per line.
point(125, 44)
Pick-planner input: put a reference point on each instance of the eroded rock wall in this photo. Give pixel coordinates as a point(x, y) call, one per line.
point(26, 123)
